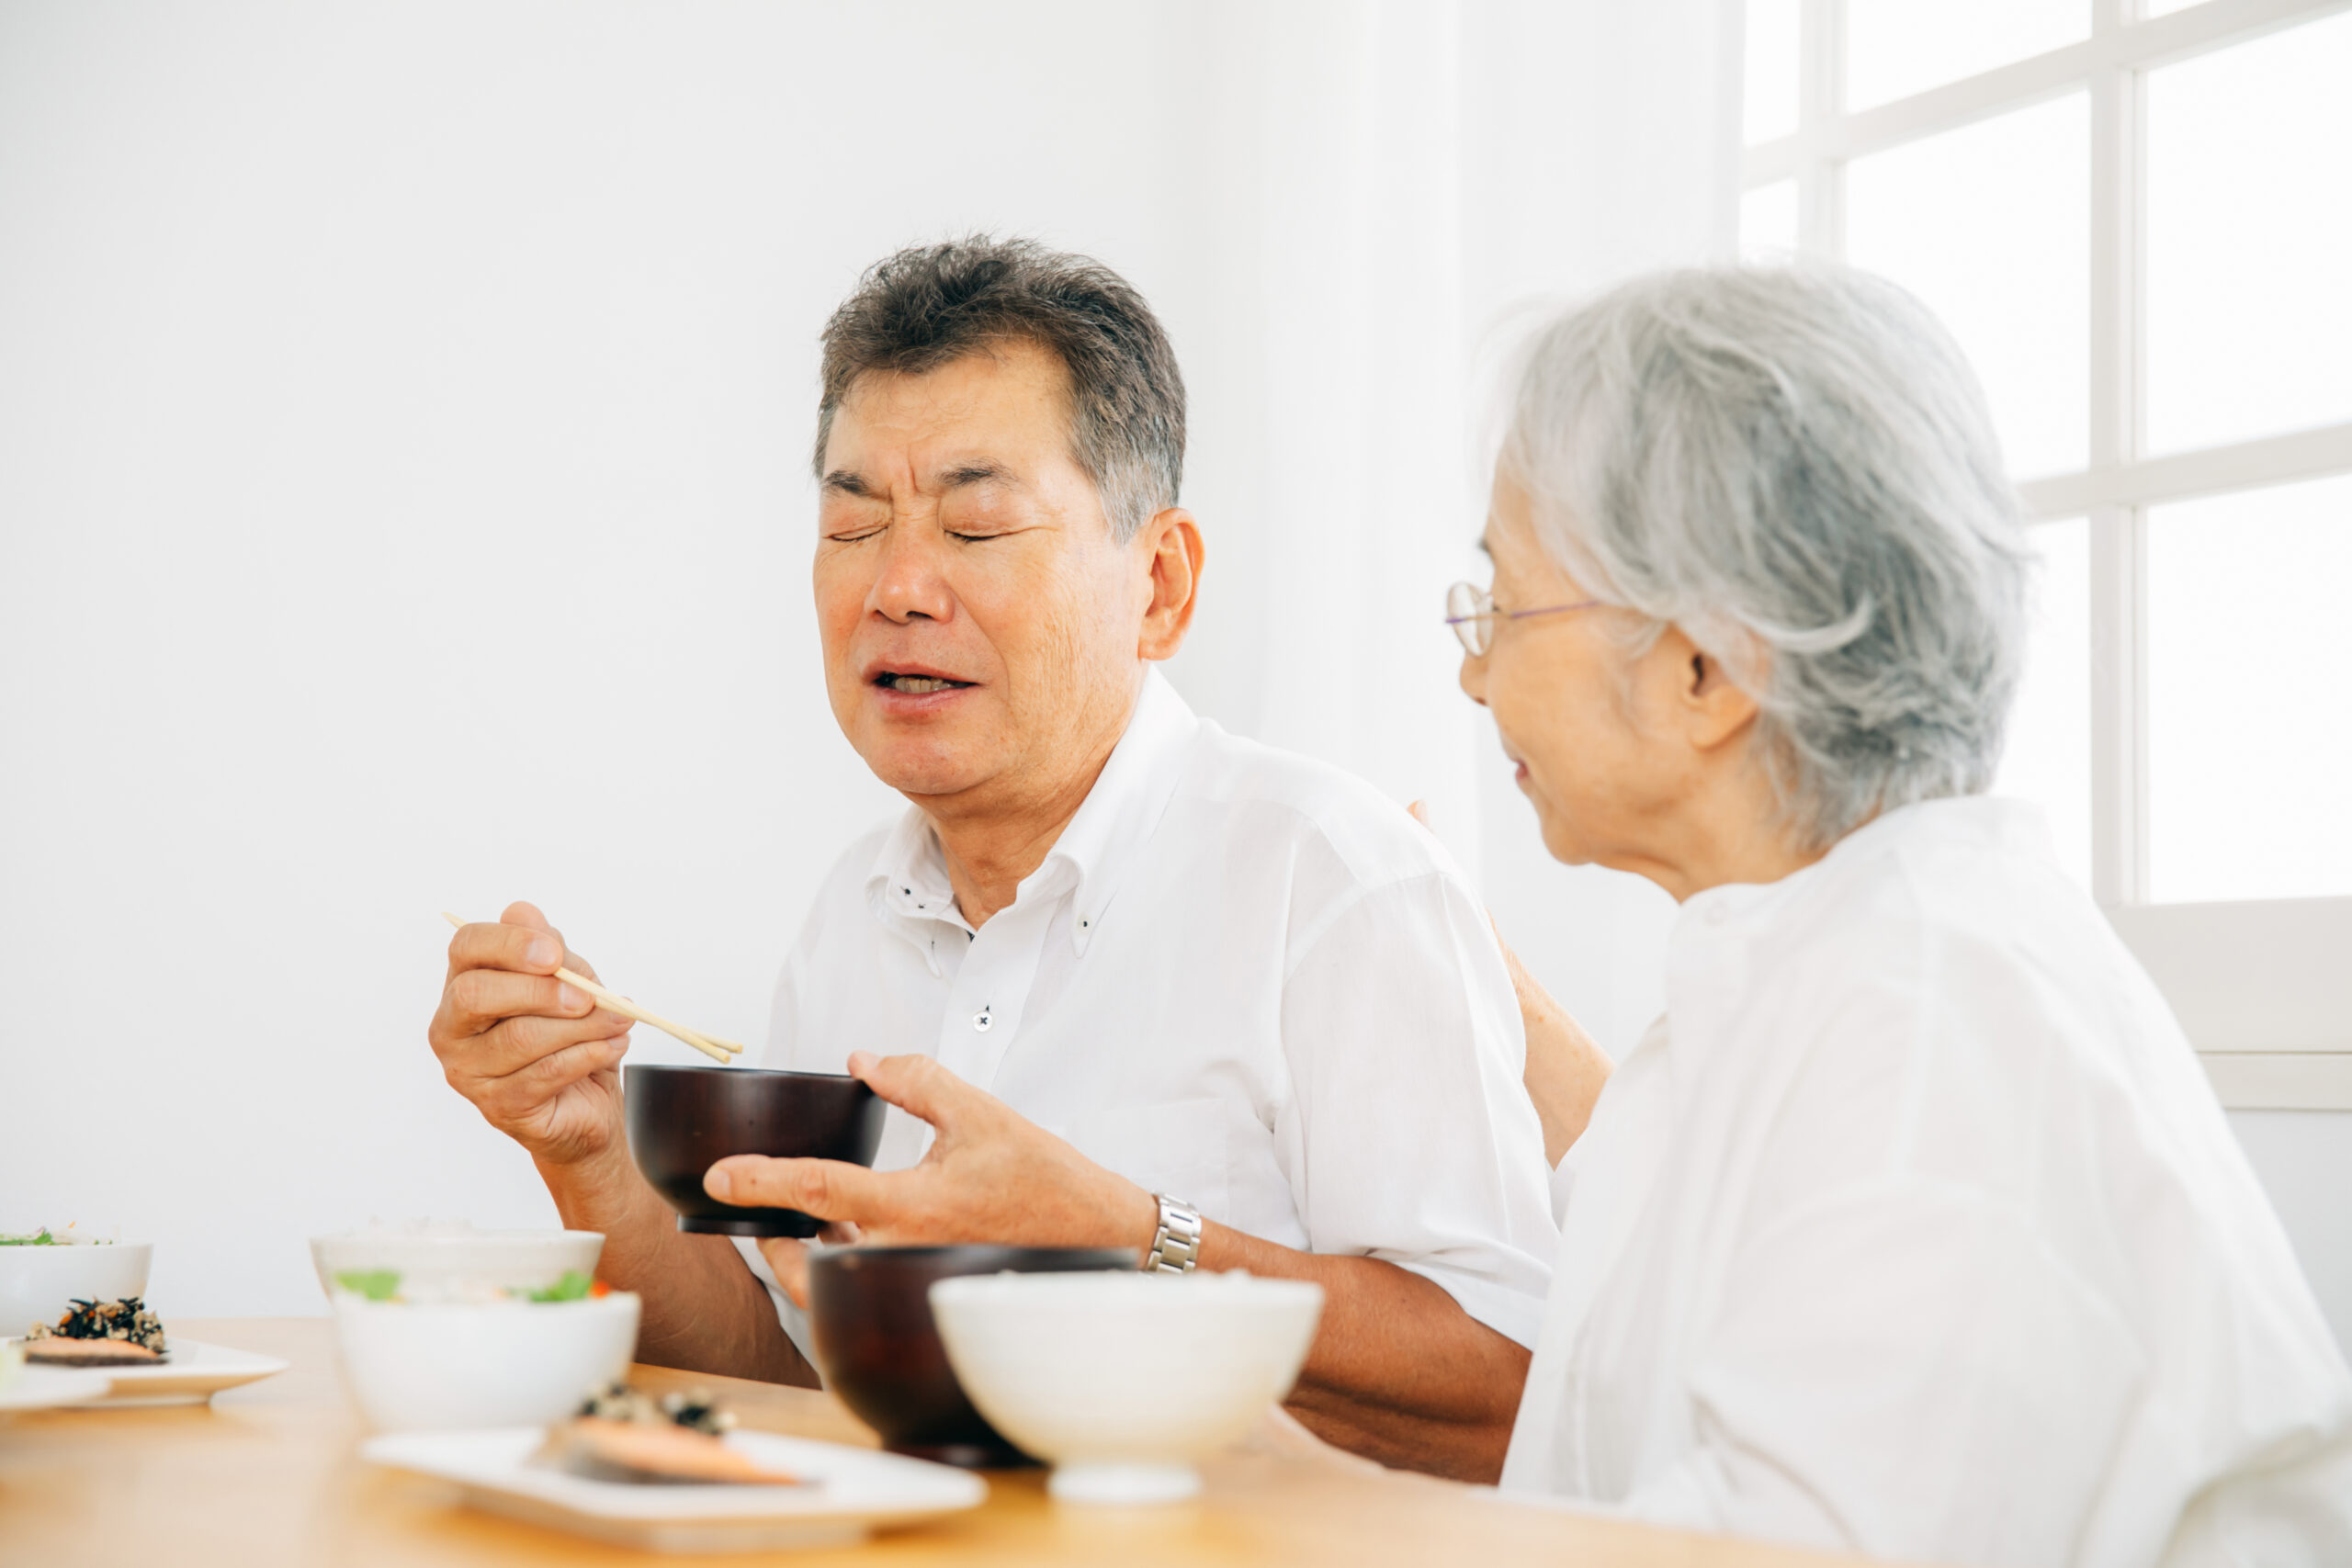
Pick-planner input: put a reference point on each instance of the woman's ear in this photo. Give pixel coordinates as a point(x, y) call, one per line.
point(1709, 708)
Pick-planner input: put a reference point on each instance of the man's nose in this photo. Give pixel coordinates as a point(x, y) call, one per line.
point(912, 580)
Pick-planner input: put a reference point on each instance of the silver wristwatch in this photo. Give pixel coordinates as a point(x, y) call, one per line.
point(1176, 1244)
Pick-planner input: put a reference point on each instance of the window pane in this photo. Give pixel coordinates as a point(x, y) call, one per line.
point(2048, 760)
point(2249, 232)
point(1896, 48)
point(2249, 750)
point(1771, 69)
point(1991, 226)
point(1768, 222)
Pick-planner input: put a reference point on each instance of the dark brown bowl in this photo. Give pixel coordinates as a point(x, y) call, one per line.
point(870, 1308)
point(683, 1121)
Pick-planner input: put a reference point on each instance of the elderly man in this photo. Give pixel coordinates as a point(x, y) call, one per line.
point(1126, 978)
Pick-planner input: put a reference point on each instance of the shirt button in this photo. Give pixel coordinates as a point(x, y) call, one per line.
point(980, 1020)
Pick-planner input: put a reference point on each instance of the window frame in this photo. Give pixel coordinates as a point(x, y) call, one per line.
point(2264, 989)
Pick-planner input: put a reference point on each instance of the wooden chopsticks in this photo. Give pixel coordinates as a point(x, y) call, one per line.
point(723, 1052)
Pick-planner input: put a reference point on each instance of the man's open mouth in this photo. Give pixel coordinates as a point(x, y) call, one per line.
point(917, 685)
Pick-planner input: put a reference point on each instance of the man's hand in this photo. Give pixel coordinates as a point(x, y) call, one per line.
point(540, 1061)
point(1398, 1371)
point(990, 1176)
point(536, 1057)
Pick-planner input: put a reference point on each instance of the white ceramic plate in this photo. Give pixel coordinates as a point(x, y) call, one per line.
point(194, 1372)
point(45, 1388)
point(853, 1491)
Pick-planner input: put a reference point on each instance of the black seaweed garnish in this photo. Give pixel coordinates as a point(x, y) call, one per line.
point(694, 1410)
point(127, 1319)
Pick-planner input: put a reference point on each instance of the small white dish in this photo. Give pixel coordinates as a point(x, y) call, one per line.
point(48, 1388)
point(425, 1366)
point(850, 1493)
point(435, 1257)
point(1076, 1368)
point(192, 1375)
point(39, 1283)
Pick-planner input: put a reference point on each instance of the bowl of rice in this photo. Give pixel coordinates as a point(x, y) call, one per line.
point(443, 1357)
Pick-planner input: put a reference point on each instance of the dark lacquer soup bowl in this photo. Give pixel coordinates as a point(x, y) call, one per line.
point(683, 1121)
point(869, 1311)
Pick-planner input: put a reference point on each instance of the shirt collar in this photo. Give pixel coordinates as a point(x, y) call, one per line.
point(1723, 933)
point(909, 879)
point(909, 874)
point(1124, 807)
point(1987, 822)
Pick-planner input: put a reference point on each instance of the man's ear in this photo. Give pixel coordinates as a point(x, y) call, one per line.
point(1170, 543)
point(1711, 707)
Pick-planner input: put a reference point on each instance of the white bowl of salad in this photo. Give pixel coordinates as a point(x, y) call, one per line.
point(441, 1357)
point(43, 1272)
point(428, 1253)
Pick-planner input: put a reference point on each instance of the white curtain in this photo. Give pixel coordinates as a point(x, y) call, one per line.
point(1393, 186)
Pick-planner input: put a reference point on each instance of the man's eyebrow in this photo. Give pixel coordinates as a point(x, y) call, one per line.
point(845, 481)
point(980, 472)
point(1483, 547)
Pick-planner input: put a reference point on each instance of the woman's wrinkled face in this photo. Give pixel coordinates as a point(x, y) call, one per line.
point(1603, 765)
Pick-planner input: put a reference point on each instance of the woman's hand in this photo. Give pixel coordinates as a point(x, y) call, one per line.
point(1566, 1066)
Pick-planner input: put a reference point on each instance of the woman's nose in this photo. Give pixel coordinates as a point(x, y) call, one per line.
point(1474, 679)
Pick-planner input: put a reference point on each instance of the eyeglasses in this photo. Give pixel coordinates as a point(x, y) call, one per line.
point(1470, 611)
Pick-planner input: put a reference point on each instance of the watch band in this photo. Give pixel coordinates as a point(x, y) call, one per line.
point(1176, 1247)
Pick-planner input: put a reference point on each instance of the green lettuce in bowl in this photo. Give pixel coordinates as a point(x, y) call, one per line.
point(384, 1285)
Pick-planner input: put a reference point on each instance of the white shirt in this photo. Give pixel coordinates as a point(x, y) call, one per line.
point(1241, 978)
point(1913, 1228)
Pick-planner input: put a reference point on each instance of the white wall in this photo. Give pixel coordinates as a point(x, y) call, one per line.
point(404, 507)
point(403, 503)
point(2304, 1158)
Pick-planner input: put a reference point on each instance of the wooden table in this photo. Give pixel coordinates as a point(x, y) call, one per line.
point(270, 1475)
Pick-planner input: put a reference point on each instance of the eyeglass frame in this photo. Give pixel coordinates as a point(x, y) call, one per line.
point(1474, 627)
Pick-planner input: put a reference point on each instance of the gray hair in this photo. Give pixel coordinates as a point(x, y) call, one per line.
point(927, 305)
point(1794, 465)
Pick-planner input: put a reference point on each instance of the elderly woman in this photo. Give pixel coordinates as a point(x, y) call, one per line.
point(1912, 1226)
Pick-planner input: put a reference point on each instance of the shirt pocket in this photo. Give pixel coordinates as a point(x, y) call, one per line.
point(1179, 1149)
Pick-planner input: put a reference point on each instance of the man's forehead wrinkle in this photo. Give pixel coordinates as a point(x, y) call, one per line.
point(908, 475)
point(914, 439)
point(891, 399)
